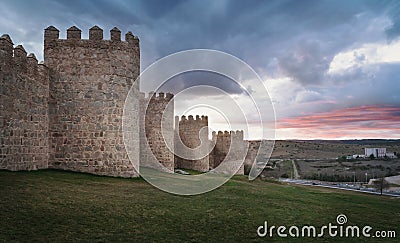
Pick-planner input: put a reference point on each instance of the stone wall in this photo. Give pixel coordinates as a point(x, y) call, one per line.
point(224, 142)
point(157, 113)
point(89, 81)
point(67, 112)
point(23, 109)
point(189, 131)
point(251, 155)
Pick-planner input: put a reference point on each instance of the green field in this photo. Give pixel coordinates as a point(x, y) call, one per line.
point(60, 206)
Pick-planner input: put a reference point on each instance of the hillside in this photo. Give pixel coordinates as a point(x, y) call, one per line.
point(327, 149)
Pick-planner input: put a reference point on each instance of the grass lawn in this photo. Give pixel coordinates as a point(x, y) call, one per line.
point(61, 206)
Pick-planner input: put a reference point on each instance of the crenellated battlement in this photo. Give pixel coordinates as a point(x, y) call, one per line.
point(235, 135)
point(20, 59)
point(74, 37)
point(6, 55)
point(89, 82)
point(229, 145)
point(24, 108)
point(32, 65)
point(192, 131)
point(16, 61)
point(82, 87)
point(6, 38)
point(157, 128)
point(74, 33)
point(190, 119)
point(95, 33)
point(69, 109)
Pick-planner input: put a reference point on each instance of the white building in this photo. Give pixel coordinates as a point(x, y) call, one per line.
point(377, 152)
point(391, 155)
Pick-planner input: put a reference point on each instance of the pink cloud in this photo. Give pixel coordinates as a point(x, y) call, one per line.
point(355, 122)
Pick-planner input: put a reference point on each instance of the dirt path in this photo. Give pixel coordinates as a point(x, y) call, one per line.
point(296, 173)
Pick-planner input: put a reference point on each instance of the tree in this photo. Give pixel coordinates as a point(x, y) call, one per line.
point(381, 184)
point(372, 156)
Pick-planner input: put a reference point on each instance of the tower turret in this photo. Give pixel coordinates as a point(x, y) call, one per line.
point(89, 81)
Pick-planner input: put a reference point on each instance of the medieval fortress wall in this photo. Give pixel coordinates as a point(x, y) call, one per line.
point(191, 134)
point(24, 93)
point(157, 130)
point(89, 82)
point(229, 146)
point(66, 113)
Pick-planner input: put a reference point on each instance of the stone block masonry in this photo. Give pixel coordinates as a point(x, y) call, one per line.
point(66, 113)
point(229, 146)
point(157, 130)
point(89, 81)
point(190, 132)
point(24, 93)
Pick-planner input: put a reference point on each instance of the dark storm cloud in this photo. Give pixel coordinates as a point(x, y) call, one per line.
point(196, 78)
point(307, 64)
point(290, 42)
point(391, 8)
point(297, 38)
point(171, 26)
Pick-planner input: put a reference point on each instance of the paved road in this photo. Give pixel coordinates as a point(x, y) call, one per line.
point(363, 190)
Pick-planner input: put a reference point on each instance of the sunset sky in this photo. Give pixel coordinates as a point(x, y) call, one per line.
point(332, 68)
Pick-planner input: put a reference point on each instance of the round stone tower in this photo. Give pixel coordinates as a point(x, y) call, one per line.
point(89, 81)
point(191, 132)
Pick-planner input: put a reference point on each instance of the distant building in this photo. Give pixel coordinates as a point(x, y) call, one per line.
point(391, 155)
point(377, 152)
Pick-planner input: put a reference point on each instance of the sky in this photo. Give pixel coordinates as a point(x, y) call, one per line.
point(332, 68)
